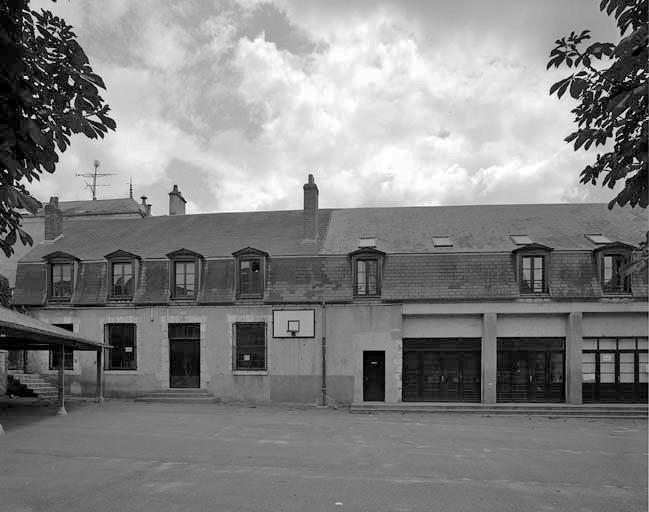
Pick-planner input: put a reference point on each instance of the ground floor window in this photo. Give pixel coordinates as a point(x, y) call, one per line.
point(68, 356)
point(614, 369)
point(122, 354)
point(250, 346)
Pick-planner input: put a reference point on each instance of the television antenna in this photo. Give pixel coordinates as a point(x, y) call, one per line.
point(94, 175)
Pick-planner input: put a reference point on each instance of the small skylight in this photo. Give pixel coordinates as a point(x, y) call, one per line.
point(442, 241)
point(598, 239)
point(367, 241)
point(521, 239)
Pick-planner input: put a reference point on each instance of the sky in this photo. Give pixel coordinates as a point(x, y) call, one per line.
point(386, 103)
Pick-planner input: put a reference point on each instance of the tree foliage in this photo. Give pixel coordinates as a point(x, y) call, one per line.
point(48, 92)
point(610, 86)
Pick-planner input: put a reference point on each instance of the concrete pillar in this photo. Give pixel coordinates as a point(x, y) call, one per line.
point(573, 376)
point(489, 348)
point(61, 384)
point(3, 372)
point(100, 377)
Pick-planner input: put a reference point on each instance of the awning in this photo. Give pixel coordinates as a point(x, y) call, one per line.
point(22, 332)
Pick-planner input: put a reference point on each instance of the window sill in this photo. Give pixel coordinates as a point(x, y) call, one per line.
point(120, 372)
point(249, 372)
point(250, 297)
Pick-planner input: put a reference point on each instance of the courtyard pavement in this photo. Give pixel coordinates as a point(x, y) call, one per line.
point(122, 456)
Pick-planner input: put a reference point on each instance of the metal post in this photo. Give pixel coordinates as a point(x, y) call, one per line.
point(100, 379)
point(61, 390)
point(324, 354)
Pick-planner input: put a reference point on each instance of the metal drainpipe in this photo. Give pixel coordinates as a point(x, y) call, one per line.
point(324, 354)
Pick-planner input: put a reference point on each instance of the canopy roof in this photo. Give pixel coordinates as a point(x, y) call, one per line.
point(22, 332)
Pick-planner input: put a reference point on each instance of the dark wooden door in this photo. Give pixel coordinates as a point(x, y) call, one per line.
point(184, 363)
point(374, 376)
point(441, 370)
point(530, 371)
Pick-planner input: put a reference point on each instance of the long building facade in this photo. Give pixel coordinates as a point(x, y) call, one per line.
point(503, 303)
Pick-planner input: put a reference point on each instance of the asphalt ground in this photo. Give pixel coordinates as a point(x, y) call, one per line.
point(122, 456)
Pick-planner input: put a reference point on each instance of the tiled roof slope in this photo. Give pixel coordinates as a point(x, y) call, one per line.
point(483, 228)
point(211, 235)
point(119, 206)
point(398, 230)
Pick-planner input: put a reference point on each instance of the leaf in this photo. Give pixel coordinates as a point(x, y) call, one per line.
point(559, 84)
point(563, 88)
point(576, 86)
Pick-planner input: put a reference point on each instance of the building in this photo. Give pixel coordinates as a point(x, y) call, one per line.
point(86, 210)
point(503, 303)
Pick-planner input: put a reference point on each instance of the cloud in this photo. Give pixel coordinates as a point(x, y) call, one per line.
point(387, 103)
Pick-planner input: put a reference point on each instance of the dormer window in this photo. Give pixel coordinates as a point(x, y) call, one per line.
point(184, 274)
point(613, 280)
point(367, 268)
point(122, 267)
point(532, 263)
point(611, 260)
point(251, 275)
point(60, 272)
point(61, 281)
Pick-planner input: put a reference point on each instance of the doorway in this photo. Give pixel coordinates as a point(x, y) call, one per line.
point(374, 376)
point(184, 356)
point(441, 370)
point(530, 370)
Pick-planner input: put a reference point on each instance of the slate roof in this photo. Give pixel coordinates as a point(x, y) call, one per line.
point(119, 206)
point(483, 228)
point(398, 230)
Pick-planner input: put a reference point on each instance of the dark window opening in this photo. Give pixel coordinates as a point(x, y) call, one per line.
point(250, 350)
point(61, 281)
point(251, 277)
point(123, 279)
point(533, 274)
point(367, 278)
point(184, 277)
point(613, 281)
point(68, 356)
point(122, 354)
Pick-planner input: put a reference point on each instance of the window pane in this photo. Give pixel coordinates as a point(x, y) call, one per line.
point(371, 277)
point(607, 343)
point(61, 280)
point(626, 343)
point(251, 277)
point(251, 347)
point(589, 344)
point(588, 358)
point(361, 278)
point(643, 343)
point(122, 355)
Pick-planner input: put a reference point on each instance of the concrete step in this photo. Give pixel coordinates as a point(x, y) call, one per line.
point(552, 410)
point(179, 395)
point(179, 399)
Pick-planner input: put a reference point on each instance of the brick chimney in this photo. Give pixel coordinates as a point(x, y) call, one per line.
point(176, 202)
point(53, 220)
point(310, 213)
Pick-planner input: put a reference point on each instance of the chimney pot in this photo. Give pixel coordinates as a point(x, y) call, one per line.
point(53, 219)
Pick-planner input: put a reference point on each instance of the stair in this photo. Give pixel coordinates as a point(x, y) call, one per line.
point(629, 411)
point(179, 396)
point(35, 384)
